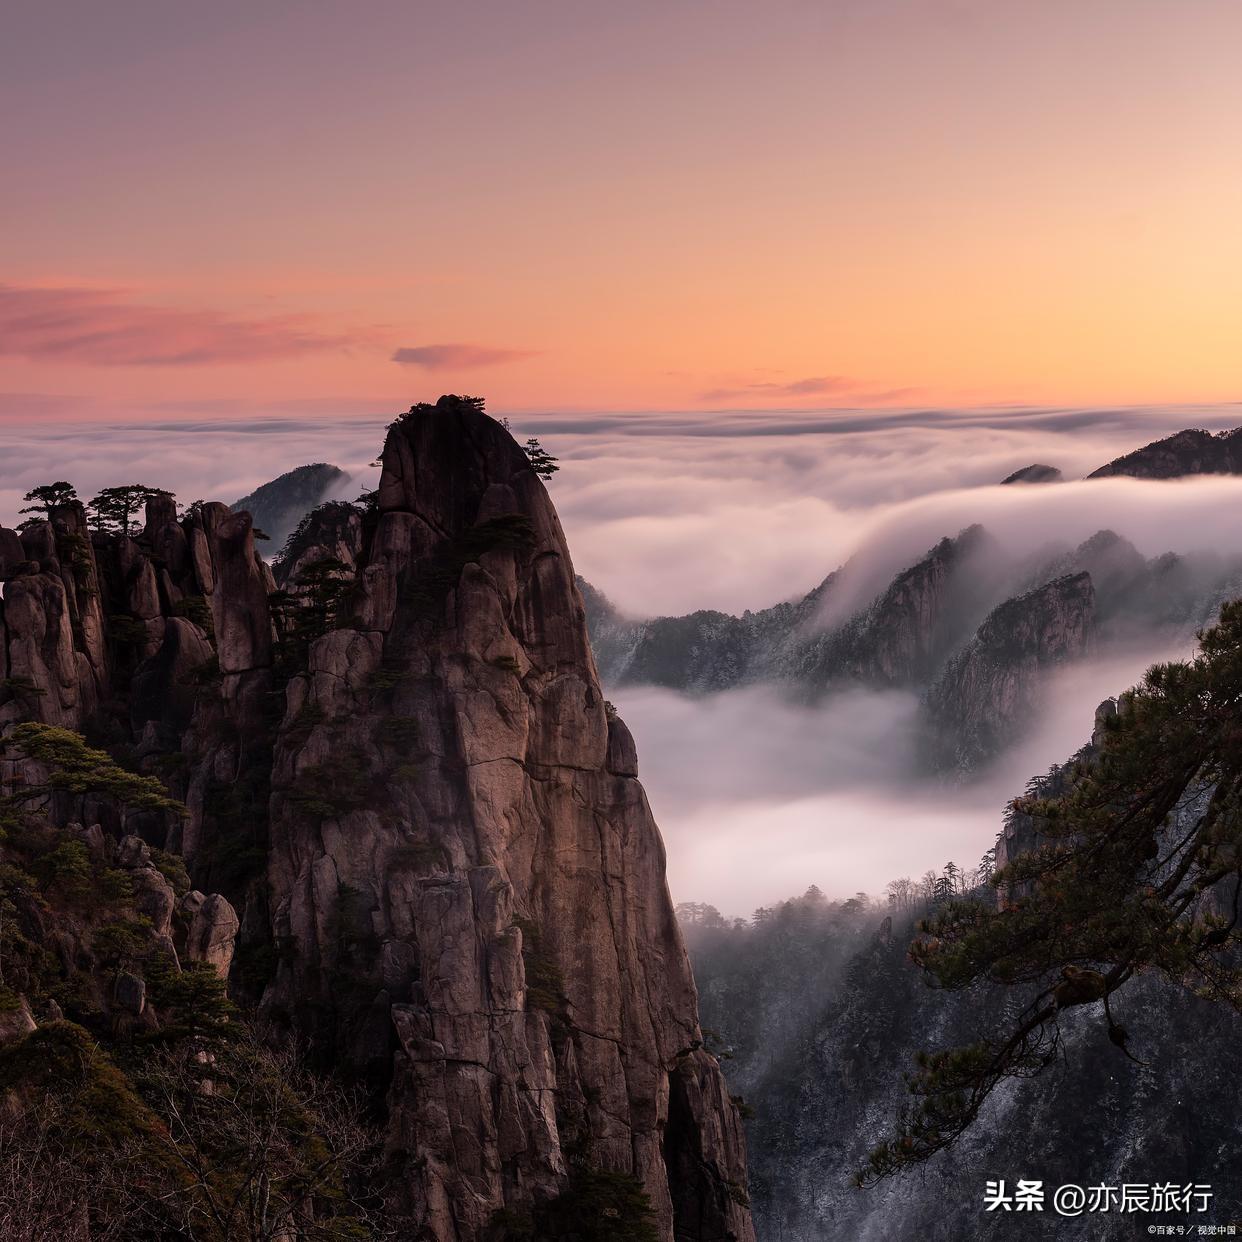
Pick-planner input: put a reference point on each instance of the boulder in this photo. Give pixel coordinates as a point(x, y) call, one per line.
point(12, 554)
point(133, 852)
point(129, 993)
point(154, 898)
point(213, 930)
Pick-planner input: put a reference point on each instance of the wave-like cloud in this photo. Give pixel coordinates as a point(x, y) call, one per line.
point(102, 328)
point(669, 512)
point(757, 797)
point(676, 511)
point(460, 356)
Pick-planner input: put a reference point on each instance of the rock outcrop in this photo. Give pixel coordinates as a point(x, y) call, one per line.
point(981, 701)
point(415, 832)
point(335, 535)
point(212, 932)
point(1193, 451)
point(1035, 473)
point(459, 836)
point(905, 635)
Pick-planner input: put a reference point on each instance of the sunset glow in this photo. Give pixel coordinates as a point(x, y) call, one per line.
point(637, 207)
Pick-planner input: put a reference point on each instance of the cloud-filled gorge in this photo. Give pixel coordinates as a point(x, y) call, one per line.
point(759, 797)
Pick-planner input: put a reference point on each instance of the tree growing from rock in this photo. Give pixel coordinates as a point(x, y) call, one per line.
point(73, 767)
point(542, 462)
point(1139, 870)
point(43, 499)
point(310, 608)
point(119, 510)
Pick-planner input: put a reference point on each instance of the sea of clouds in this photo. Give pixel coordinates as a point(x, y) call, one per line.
point(759, 798)
point(666, 513)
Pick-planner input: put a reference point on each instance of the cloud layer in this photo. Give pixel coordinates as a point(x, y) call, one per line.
point(757, 798)
point(671, 512)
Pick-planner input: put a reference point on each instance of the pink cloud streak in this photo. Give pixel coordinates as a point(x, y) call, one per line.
point(98, 327)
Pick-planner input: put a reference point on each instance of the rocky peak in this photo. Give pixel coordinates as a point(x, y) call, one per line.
point(277, 507)
point(988, 692)
point(451, 793)
point(421, 823)
point(1116, 566)
point(1036, 473)
point(333, 531)
point(1193, 451)
point(923, 615)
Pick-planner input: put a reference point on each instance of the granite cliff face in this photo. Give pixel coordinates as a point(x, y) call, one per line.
point(404, 778)
point(961, 607)
point(498, 858)
point(988, 691)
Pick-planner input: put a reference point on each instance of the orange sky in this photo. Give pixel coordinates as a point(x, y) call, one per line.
point(579, 205)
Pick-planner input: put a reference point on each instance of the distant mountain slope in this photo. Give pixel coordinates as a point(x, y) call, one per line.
point(817, 1003)
point(985, 696)
point(1036, 473)
point(1192, 451)
point(277, 507)
point(821, 1012)
point(896, 639)
point(971, 632)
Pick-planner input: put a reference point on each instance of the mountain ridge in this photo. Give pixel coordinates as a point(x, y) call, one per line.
point(404, 776)
point(277, 506)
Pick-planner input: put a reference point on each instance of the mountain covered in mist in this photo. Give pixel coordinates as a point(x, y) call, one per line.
point(278, 506)
point(1182, 454)
point(1188, 452)
point(972, 629)
point(818, 1012)
point(1036, 473)
point(972, 632)
point(390, 805)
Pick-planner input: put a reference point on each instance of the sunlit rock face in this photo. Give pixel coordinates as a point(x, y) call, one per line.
point(489, 892)
point(416, 836)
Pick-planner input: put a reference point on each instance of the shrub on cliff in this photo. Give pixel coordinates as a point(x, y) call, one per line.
point(74, 767)
point(1140, 870)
